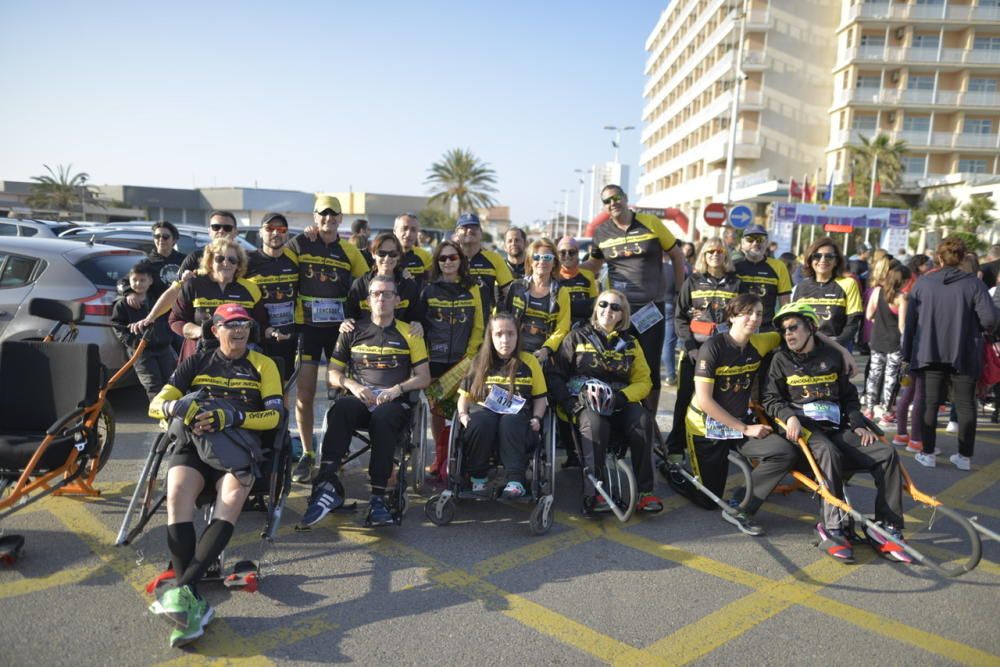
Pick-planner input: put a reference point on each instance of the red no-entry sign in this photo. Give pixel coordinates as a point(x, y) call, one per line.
point(715, 214)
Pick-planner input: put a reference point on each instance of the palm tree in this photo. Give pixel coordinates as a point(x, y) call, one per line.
point(61, 190)
point(887, 153)
point(461, 182)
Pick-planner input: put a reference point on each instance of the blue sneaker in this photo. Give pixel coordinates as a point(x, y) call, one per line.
point(378, 512)
point(324, 499)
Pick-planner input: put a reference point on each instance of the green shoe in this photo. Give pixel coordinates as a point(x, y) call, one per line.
point(175, 605)
point(201, 614)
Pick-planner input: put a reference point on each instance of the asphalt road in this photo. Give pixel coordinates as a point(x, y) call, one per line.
point(676, 588)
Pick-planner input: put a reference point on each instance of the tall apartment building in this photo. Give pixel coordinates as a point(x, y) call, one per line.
point(925, 72)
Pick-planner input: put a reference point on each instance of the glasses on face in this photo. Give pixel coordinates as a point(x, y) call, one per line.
point(615, 307)
point(276, 229)
point(755, 239)
point(791, 328)
point(221, 227)
point(829, 256)
point(219, 259)
point(543, 257)
point(236, 325)
point(391, 254)
point(716, 251)
point(569, 253)
point(612, 199)
point(162, 237)
point(382, 294)
point(453, 257)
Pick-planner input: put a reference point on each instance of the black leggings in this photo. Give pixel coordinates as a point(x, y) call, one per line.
point(508, 434)
point(676, 441)
point(385, 424)
point(937, 378)
point(630, 424)
point(651, 342)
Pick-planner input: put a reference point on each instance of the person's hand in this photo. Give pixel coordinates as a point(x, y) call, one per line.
point(465, 418)
point(187, 275)
point(134, 300)
point(536, 424)
point(542, 354)
point(793, 429)
point(311, 232)
point(137, 327)
point(867, 436)
point(757, 431)
point(202, 423)
point(416, 330)
point(192, 332)
point(362, 393)
point(347, 326)
point(280, 337)
point(389, 395)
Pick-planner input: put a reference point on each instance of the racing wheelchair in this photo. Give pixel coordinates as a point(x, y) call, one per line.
point(441, 508)
point(56, 425)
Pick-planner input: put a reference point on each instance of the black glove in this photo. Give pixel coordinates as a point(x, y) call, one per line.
point(226, 417)
point(185, 409)
point(569, 405)
point(621, 400)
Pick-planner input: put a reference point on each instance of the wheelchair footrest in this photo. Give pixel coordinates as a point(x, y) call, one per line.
point(10, 548)
point(245, 576)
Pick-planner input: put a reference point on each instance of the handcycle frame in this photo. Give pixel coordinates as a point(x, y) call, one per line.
point(617, 464)
point(671, 470)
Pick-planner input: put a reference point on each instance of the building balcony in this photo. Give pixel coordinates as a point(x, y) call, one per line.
point(924, 140)
point(908, 55)
point(716, 148)
point(754, 60)
point(884, 11)
point(759, 20)
point(905, 97)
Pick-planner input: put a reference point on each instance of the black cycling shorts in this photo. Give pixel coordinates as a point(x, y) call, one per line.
point(187, 455)
point(317, 342)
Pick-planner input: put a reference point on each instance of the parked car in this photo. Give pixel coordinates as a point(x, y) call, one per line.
point(67, 270)
point(31, 227)
point(138, 239)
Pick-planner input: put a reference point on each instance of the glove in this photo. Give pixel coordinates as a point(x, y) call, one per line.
point(185, 409)
point(226, 417)
point(569, 406)
point(621, 400)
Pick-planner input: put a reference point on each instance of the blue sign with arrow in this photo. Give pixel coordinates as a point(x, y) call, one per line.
point(741, 217)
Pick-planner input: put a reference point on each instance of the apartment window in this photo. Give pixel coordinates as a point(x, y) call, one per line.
point(983, 85)
point(926, 41)
point(986, 44)
point(989, 3)
point(929, 2)
point(977, 126)
point(864, 123)
point(872, 40)
point(920, 82)
point(972, 166)
point(917, 123)
point(913, 165)
point(868, 81)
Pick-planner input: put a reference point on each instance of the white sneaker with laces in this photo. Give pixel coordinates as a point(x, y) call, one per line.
point(927, 460)
point(961, 462)
point(952, 427)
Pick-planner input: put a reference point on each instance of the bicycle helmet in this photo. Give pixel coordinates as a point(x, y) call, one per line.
point(598, 396)
point(798, 309)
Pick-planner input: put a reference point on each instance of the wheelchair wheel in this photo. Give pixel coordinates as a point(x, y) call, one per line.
point(542, 516)
point(440, 509)
point(744, 467)
point(621, 486)
point(948, 541)
point(105, 438)
point(418, 443)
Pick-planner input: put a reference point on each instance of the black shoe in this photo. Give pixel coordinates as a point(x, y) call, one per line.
point(743, 521)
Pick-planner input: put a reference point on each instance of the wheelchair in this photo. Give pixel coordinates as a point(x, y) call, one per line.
point(412, 455)
point(686, 481)
point(613, 479)
point(57, 427)
point(441, 508)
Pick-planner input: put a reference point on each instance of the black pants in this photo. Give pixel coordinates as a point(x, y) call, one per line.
point(651, 342)
point(775, 455)
point(386, 425)
point(632, 424)
point(937, 378)
point(838, 451)
point(676, 441)
point(154, 367)
point(511, 434)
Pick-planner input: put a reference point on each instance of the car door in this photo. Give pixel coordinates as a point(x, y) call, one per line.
point(17, 275)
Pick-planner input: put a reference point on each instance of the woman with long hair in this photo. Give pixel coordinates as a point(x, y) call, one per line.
point(887, 312)
point(501, 402)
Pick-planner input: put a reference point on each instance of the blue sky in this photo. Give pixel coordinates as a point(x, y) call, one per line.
point(322, 95)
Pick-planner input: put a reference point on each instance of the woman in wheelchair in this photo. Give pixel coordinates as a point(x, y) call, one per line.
point(599, 378)
point(501, 402)
point(239, 394)
point(808, 393)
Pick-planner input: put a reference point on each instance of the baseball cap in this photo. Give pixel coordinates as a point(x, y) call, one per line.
point(324, 202)
point(864, 247)
point(228, 312)
point(467, 219)
point(755, 230)
point(274, 217)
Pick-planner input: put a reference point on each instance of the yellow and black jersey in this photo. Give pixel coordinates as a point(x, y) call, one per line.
point(838, 304)
point(731, 369)
point(201, 295)
point(701, 307)
point(516, 270)
point(614, 358)
point(379, 357)
point(251, 383)
point(490, 269)
point(543, 320)
point(453, 320)
point(357, 305)
point(582, 289)
point(418, 262)
point(768, 279)
point(278, 280)
point(529, 382)
point(635, 257)
point(326, 271)
point(795, 380)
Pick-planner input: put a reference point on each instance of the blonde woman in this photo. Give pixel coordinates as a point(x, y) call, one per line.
point(538, 303)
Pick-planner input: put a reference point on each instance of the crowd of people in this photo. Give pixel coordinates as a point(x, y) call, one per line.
point(535, 330)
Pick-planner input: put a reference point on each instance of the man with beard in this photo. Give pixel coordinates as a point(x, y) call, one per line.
point(415, 259)
point(275, 270)
point(514, 242)
point(761, 275)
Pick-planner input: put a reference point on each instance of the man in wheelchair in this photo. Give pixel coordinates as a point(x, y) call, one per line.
point(809, 394)
point(217, 402)
point(386, 362)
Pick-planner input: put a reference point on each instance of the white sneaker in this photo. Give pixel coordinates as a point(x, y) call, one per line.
point(952, 427)
point(961, 462)
point(927, 460)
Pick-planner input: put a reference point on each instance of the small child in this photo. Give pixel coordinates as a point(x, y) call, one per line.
point(158, 360)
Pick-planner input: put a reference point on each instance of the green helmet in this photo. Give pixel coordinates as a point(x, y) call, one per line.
point(797, 308)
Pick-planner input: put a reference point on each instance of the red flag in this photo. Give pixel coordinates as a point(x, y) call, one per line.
point(852, 190)
point(878, 188)
point(795, 190)
point(810, 192)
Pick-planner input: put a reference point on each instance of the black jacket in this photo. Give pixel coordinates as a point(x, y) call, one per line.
point(123, 315)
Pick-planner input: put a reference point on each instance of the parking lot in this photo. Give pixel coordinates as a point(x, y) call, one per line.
point(677, 588)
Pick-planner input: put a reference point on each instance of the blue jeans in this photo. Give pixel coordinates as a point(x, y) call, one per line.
point(669, 354)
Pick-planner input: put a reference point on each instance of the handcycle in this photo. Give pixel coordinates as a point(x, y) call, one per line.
point(684, 478)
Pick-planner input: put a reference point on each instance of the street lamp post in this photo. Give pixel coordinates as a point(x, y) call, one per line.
point(735, 114)
point(565, 221)
point(618, 136)
point(579, 223)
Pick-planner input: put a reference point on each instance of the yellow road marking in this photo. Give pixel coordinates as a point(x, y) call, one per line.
point(28, 585)
point(533, 551)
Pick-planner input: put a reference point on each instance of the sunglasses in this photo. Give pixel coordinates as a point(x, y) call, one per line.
point(221, 228)
point(328, 211)
point(163, 237)
point(755, 239)
point(448, 258)
point(831, 256)
point(717, 251)
point(615, 307)
point(568, 253)
point(612, 199)
point(219, 259)
point(791, 327)
point(236, 324)
point(391, 254)
point(382, 294)
point(276, 229)
point(543, 257)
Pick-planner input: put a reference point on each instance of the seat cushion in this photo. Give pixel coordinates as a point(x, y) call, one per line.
point(16, 449)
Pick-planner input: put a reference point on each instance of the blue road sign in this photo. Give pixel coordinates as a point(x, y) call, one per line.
point(741, 217)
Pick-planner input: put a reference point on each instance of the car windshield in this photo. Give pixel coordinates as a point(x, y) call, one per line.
point(106, 269)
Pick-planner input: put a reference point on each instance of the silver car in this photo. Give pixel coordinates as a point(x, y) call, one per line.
point(68, 270)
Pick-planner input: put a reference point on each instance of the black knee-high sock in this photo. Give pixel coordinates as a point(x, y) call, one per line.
point(180, 542)
point(212, 542)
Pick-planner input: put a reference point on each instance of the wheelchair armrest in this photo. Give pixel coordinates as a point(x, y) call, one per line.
point(61, 423)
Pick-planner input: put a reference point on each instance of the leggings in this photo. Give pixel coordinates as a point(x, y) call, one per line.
point(883, 372)
point(651, 342)
point(937, 379)
point(630, 425)
point(508, 435)
point(676, 441)
point(914, 393)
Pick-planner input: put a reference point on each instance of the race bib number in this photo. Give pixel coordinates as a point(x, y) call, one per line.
point(646, 317)
point(715, 430)
point(503, 402)
point(280, 314)
point(327, 310)
point(825, 411)
point(376, 393)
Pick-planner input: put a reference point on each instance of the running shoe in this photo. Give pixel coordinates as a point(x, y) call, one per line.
point(915, 446)
point(649, 503)
point(514, 490)
point(324, 499)
point(961, 462)
point(479, 487)
point(743, 521)
point(834, 543)
point(175, 606)
point(378, 512)
point(900, 440)
point(952, 427)
point(600, 505)
point(303, 471)
point(675, 459)
point(887, 420)
point(201, 614)
point(927, 460)
point(889, 549)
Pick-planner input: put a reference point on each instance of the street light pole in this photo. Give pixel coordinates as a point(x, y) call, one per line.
point(618, 136)
point(565, 221)
point(735, 115)
point(579, 223)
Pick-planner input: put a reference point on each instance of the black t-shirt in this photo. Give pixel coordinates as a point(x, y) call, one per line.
point(529, 382)
point(249, 383)
point(166, 270)
point(635, 257)
point(326, 271)
point(278, 280)
point(379, 357)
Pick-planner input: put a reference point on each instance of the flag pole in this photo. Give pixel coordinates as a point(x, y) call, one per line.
point(871, 194)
